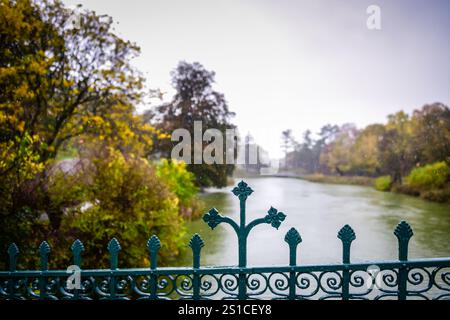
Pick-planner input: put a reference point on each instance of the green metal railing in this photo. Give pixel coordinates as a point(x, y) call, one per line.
point(400, 279)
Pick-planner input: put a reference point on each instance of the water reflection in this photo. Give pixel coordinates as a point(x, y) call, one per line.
point(318, 211)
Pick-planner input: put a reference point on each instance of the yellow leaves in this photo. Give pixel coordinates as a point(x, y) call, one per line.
point(68, 83)
point(147, 127)
point(21, 126)
point(38, 67)
point(20, 152)
point(7, 72)
point(11, 121)
point(22, 92)
point(162, 136)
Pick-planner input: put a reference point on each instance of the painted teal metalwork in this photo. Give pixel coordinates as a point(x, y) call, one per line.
point(403, 232)
point(13, 252)
point(113, 248)
point(347, 236)
point(293, 239)
point(400, 279)
point(153, 246)
point(196, 245)
point(77, 248)
point(213, 219)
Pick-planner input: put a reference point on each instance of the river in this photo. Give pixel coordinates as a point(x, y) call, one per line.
point(318, 211)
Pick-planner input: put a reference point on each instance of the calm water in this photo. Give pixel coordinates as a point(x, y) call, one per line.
point(318, 211)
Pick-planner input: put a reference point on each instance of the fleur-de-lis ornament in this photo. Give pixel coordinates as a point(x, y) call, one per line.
point(242, 191)
point(274, 217)
point(212, 218)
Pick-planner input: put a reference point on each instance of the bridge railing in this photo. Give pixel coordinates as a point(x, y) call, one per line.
point(400, 279)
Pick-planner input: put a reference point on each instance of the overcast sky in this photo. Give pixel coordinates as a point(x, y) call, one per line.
point(296, 64)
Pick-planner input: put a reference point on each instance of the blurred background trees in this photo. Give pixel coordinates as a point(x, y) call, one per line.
point(406, 152)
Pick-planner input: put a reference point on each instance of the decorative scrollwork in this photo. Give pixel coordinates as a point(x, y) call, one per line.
point(229, 284)
point(278, 284)
point(423, 283)
point(308, 284)
point(330, 282)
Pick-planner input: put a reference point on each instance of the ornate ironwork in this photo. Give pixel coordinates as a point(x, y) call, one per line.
point(399, 279)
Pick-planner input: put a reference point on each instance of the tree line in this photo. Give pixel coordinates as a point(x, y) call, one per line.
point(404, 143)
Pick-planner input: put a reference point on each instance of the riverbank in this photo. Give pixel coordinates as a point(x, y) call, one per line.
point(434, 195)
point(321, 178)
point(351, 180)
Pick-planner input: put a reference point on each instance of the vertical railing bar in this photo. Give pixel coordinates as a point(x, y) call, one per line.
point(13, 252)
point(196, 243)
point(403, 232)
point(153, 245)
point(293, 239)
point(346, 235)
point(113, 248)
point(77, 248)
point(242, 243)
point(44, 251)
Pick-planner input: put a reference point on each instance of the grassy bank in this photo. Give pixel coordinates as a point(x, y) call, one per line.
point(437, 194)
point(441, 195)
point(351, 180)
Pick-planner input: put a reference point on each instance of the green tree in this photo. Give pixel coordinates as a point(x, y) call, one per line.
point(305, 154)
point(365, 154)
point(431, 133)
point(396, 151)
point(337, 154)
point(195, 100)
point(288, 144)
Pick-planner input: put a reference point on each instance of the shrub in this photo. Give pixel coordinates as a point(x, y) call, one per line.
point(406, 189)
point(181, 181)
point(437, 195)
point(431, 176)
point(127, 200)
point(383, 183)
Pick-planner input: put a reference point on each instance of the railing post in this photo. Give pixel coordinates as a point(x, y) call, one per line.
point(293, 239)
point(153, 246)
point(346, 235)
point(196, 243)
point(403, 232)
point(13, 252)
point(113, 248)
point(242, 191)
point(213, 219)
point(77, 249)
point(44, 251)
